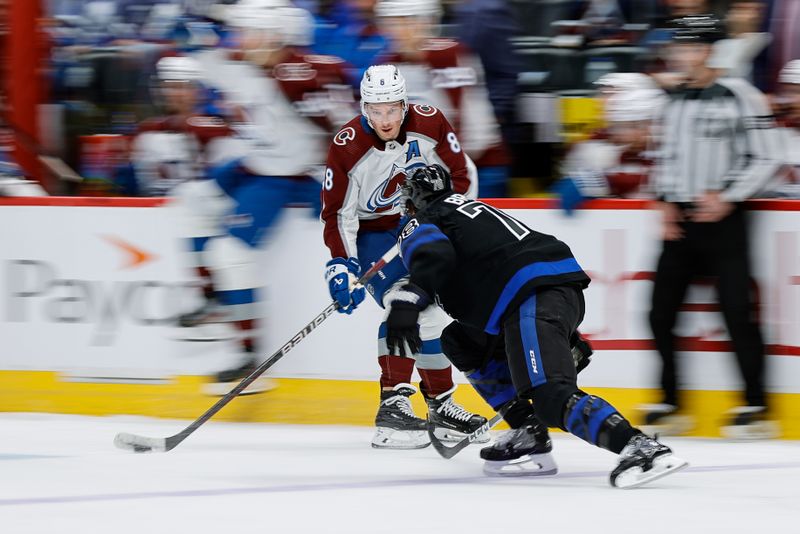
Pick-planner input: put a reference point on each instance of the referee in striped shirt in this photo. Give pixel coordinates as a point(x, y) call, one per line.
point(718, 149)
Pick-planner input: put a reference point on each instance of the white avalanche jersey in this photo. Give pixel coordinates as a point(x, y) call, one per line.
point(286, 115)
point(171, 150)
point(361, 189)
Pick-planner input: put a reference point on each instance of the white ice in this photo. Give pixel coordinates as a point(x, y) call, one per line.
point(61, 474)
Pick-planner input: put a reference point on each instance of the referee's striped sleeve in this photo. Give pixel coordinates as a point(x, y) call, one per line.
point(759, 139)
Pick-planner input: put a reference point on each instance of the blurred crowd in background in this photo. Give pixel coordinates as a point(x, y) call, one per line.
point(545, 71)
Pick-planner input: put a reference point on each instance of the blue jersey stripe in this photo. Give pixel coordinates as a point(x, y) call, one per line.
point(530, 341)
point(237, 296)
point(426, 233)
point(523, 276)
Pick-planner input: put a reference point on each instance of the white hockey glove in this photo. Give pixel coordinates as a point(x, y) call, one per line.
point(341, 275)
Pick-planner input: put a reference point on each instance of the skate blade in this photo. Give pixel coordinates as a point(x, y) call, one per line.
point(671, 425)
point(220, 389)
point(389, 438)
point(662, 466)
point(447, 435)
point(530, 465)
point(752, 432)
point(204, 333)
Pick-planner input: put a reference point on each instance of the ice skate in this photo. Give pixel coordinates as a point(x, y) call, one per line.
point(664, 420)
point(397, 426)
point(209, 322)
point(523, 451)
point(452, 421)
point(209, 312)
point(228, 379)
point(643, 460)
point(749, 423)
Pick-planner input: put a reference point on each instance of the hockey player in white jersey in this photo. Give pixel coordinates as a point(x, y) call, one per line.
point(616, 161)
point(283, 104)
point(367, 162)
point(442, 73)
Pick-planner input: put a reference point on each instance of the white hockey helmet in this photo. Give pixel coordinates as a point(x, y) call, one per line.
point(382, 84)
point(178, 69)
point(255, 14)
point(293, 26)
point(634, 105)
point(790, 73)
point(297, 26)
point(408, 8)
point(624, 81)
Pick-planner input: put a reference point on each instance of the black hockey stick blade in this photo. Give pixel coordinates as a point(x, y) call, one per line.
point(448, 452)
point(135, 443)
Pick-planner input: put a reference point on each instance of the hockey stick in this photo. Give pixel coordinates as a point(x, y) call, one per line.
point(137, 443)
point(448, 452)
point(581, 355)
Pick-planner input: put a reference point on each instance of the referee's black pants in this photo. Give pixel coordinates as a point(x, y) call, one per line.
point(718, 249)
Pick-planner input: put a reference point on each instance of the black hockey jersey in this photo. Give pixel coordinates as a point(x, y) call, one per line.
point(478, 261)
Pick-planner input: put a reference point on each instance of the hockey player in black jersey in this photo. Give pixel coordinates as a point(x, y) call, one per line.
point(517, 299)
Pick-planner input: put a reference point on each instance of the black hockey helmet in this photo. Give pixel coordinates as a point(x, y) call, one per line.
point(706, 29)
point(423, 185)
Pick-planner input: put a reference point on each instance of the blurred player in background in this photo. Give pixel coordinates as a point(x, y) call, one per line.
point(367, 162)
point(171, 149)
point(786, 104)
point(444, 74)
point(618, 160)
point(495, 275)
point(282, 106)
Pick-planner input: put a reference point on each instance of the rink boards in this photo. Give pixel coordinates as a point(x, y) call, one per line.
point(90, 288)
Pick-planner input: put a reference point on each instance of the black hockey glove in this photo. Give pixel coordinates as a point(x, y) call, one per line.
point(581, 352)
point(402, 324)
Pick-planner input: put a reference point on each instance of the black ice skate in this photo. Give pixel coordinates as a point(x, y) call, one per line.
point(642, 460)
point(206, 323)
point(397, 426)
point(664, 420)
point(749, 423)
point(523, 451)
point(452, 421)
point(209, 312)
point(228, 379)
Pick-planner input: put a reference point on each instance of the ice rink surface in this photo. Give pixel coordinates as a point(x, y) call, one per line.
point(62, 474)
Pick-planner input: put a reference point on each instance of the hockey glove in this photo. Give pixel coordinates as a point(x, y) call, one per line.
point(341, 275)
point(581, 351)
point(574, 191)
point(402, 324)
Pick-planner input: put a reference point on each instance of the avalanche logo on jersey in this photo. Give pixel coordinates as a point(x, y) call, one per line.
point(387, 194)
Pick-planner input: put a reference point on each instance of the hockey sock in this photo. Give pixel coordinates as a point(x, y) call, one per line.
point(435, 381)
point(493, 383)
point(395, 370)
point(248, 333)
point(596, 421)
point(208, 285)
